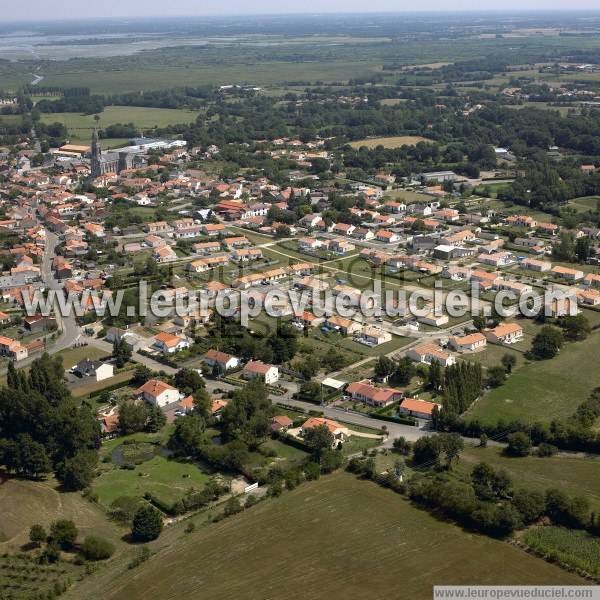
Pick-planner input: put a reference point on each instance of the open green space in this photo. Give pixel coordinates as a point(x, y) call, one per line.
point(337, 537)
point(167, 479)
point(544, 390)
point(571, 473)
point(80, 126)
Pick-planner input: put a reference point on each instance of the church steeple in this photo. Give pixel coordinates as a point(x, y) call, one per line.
point(96, 167)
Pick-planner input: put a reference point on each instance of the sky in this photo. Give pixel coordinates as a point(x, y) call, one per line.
point(70, 9)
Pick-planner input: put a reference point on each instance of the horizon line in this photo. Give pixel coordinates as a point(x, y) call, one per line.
point(487, 11)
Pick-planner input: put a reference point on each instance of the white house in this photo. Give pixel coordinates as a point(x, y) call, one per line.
point(158, 393)
point(256, 369)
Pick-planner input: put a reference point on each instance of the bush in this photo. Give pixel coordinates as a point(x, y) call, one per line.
point(142, 556)
point(519, 444)
point(546, 450)
point(97, 548)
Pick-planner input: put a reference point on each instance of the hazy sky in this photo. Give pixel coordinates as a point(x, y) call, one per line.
point(61, 9)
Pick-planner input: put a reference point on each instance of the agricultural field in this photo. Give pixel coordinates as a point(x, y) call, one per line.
point(575, 548)
point(80, 125)
point(390, 142)
point(335, 537)
point(156, 76)
point(544, 390)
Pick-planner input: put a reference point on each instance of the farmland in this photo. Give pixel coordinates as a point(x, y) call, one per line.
point(338, 536)
point(390, 142)
point(80, 125)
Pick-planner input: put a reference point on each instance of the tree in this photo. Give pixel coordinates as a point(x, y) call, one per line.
point(64, 533)
point(37, 534)
point(384, 367)
point(496, 376)
point(402, 446)
point(189, 381)
point(451, 445)
point(405, 371)
point(434, 376)
point(331, 460)
point(490, 484)
point(519, 444)
point(77, 472)
point(133, 415)
point(97, 548)
point(121, 353)
point(147, 524)
point(232, 507)
point(319, 438)
point(247, 416)
point(508, 362)
point(156, 419)
point(575, 327)
point(530, 503)
point(188, 436)
point(426, 451)
point(547, 343)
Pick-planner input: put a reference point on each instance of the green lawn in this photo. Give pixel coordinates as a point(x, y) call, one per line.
point(167, 479)
point(80, 125)
point(337, 537)
point(545, 390)
point(72, 356)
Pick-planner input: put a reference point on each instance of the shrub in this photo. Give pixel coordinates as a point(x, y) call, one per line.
point(97, 548)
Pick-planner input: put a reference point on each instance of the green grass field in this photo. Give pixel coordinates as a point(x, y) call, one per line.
point(544, 390)
point(80, 125)
point(167, 479)
point(338, 537)
point(572, 474)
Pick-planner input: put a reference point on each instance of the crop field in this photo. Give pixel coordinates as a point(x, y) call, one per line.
point(544, 390)
point(80, 125)
point(153, 77)
point(576, 548)
point(390, 142)
point(572, 474)
point(338, 537)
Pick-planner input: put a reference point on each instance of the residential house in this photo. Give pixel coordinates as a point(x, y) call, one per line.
point(255, 369)
point(339, 432)
point(429, 352)
point(420, 409)
point(505, 333)
point(168, 343)
point(566, 273)
point(365, 391)
point(468, 343)
point(96, 369)
point(158, 393)
point(225, 362)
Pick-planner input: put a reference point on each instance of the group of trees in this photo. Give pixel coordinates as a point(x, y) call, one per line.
point(276, 347)
point(43, 429)
point(62, 535)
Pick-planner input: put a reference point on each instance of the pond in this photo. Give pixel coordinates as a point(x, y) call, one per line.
point(137, 453)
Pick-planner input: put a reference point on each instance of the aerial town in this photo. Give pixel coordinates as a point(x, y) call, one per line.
point(399, 315)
